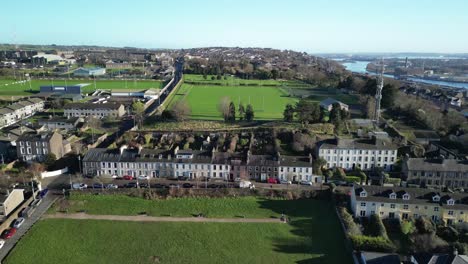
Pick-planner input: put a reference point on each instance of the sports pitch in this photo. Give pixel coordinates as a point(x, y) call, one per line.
point(268, 102)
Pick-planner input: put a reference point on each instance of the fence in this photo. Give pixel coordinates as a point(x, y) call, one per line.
point(47, 174)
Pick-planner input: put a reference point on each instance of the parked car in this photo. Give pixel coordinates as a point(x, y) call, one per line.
point(309, 183)
point(112, 186)
point(182, 178)
point(127, 177)
point(8, 233)
point(272, 180)
point(2, 243)
point(79, 186)
point(159, 186)
point(173, 185)
point(245, 184)
point(114, 176)
point(18, 222)
point(143, 177)
point(143, 185)
point(42, 193)
point(285, 182)
point(187, 185)
point(98, 186)
point(131, 185)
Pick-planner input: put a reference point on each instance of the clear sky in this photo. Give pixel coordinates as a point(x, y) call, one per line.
point(305, 25)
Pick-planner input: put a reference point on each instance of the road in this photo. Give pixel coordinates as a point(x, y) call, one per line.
point(144, 218)
point(47, 201)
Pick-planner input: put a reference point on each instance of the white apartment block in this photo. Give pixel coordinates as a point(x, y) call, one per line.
point(365, 154)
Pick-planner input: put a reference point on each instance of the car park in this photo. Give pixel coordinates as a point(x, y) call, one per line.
point(8, 233)
point(18, 222)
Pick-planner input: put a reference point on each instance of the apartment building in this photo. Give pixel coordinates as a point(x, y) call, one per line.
point(20, 110)
point(94, 110)
point(36, 146)
point(440, 172)
point(363, 153)
point(409, 203)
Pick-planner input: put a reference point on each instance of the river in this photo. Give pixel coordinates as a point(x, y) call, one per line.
point(360, 67)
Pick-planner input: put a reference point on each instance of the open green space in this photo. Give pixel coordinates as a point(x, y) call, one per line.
point(312, 236)
point(10, 88)
point(268, 102)
point(234, 81)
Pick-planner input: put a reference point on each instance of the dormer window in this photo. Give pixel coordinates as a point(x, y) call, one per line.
point(451, 202)
point(436, 198)
point(363, 194)
point(406, 196)
point(393, 196)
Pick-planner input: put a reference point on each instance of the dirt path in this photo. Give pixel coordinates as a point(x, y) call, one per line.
point(144, 218)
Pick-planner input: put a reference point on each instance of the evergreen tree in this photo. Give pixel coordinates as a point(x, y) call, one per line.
point(241, 112)
point(232, 112)
point(288, 114)
point(249, 113)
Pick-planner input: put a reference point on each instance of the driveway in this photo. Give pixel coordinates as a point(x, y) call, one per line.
point(47, 201)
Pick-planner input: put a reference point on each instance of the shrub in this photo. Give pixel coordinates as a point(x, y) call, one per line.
point(449, 233)
point(462, 248)
point(354, 179)
point(407, 227)
point(339, 174)
point(394, 181)
point(366, 243)
point(424, 225)
point(376, 227)
point(348, 221)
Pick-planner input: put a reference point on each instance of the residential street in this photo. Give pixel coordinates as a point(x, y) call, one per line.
point(47, 201)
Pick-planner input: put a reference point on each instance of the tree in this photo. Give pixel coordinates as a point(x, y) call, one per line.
point(50, 160)
point(318, 165)
point(389, 93)
point(36, 168)
point(335, 117)
point(181, 110)
point(232, 113)
point(288, 114)
point(138, 109)
point(224, 107)
point(249, 113)
point(307, 112)
point(94, 123)
point(241, 112)
point(362, 175)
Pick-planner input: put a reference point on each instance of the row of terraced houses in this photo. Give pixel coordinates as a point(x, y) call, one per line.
point(194, 164)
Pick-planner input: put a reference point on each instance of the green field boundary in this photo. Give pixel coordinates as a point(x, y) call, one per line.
point(170, 97)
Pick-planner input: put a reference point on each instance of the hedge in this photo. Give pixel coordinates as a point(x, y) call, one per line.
point(351, 227)
point(394, 181)
point(367, 243)
point(354, 179)
point(376, 227)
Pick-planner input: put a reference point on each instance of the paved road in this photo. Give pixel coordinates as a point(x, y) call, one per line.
point(47, 201)
point(144, 218)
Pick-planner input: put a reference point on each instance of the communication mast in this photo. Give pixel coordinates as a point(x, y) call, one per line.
point(378, 93)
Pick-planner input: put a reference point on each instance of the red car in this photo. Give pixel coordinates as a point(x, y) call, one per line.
point(8, 233)
point(127, 177)
point(272, 180)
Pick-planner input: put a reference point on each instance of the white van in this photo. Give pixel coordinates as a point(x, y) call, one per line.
point(79, 186)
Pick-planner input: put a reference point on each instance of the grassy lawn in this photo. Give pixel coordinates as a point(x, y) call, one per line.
point(234, 81)
point(268, 102)
point(9, 88)
point(312, 236)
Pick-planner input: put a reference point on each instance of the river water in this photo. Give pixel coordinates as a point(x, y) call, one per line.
point(360, 67)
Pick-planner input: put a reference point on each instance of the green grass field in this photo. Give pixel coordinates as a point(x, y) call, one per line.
point(268, 102)
point(234, 81)
point(7, 88)
point(313, 235)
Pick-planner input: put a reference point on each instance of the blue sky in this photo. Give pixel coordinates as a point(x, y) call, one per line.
point(305, 25)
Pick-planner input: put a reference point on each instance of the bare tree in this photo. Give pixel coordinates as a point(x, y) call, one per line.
point(223, 107)
point(181, 110)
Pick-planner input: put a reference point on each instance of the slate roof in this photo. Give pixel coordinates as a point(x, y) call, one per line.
point(31, 136)
point(365, 144)
point(295, 161)
point(417, 196)
point(82, 106)
point(421, 164)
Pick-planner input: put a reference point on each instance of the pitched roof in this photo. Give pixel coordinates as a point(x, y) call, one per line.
point(83, 106)
point(330, 101)
point(365, 144)
point(421, 164)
